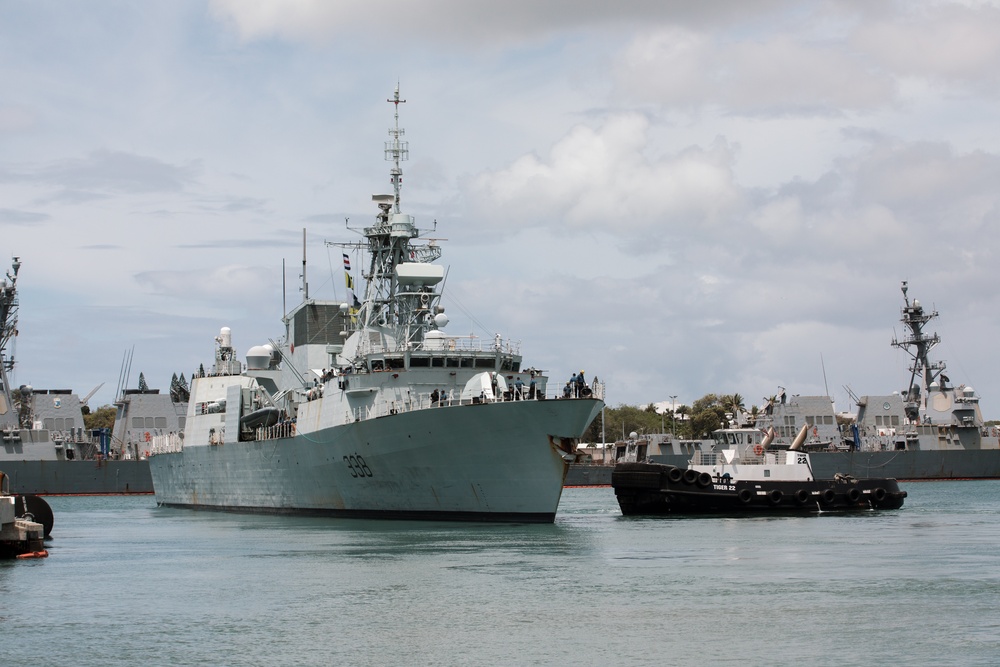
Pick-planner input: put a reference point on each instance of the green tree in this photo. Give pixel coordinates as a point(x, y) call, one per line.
point(102, 417)
point(734, 405)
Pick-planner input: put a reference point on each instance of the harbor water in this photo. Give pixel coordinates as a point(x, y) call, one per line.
point(128, 583)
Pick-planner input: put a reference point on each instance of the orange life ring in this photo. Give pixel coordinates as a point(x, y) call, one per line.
point(147, 436)
point(758, 450)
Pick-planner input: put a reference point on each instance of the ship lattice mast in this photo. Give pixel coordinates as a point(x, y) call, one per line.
point(914, 317)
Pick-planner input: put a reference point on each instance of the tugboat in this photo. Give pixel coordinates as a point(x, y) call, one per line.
point(741, 476)
point(21, 535)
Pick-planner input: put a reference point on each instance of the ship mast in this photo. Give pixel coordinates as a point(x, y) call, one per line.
point(8, 331)
point(395, 310)
point(914, 318)
point(8, 314)
point(396, 150)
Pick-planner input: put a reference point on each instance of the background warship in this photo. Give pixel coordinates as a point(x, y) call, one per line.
point(933, 429)
point(46, 447)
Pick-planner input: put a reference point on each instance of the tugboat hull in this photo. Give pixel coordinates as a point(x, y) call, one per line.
point(657, 489)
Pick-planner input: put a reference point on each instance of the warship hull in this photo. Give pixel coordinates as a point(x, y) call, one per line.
point(911, 465)
point(589, 474)
point(504, 461)
point(83, 478)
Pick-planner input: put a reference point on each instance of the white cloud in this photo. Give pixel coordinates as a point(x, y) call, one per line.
point(602, 179)
point(780, 75)
point(947, 43)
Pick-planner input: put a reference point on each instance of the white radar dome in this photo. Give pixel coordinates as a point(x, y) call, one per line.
point(259, 357)
point(441, 320)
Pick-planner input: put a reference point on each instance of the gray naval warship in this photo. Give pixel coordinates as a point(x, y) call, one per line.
point(933, 429)
point(46, 447)
point(368, 408)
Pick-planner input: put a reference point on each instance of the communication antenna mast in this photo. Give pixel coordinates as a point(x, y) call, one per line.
point(395, 150)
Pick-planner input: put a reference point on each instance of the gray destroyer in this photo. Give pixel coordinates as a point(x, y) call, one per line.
point(931, 430)
point(367, 408)
point(44, 445)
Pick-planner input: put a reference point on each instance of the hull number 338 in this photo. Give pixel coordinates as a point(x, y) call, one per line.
point(356, 464)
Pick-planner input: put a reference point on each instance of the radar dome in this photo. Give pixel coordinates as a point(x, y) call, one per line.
point(440, 320)
point(259, 357)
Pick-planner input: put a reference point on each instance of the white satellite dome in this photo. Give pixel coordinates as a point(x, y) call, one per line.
point(259, 357)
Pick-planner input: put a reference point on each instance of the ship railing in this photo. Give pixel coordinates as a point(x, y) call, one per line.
point(451, 344)
point(879, 443)
point(163, 444)
point(749, 458)
point(423, 401)
point(285, 429)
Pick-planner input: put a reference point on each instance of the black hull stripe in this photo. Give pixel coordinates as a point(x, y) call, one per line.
point(418, 515)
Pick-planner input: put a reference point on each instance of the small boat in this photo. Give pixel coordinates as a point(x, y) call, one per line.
point(741, 476)
point(262, 418)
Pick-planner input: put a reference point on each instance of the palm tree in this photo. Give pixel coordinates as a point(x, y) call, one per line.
point(733, 404)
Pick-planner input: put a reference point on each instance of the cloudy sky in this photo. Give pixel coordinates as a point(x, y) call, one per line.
point(677, 197)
